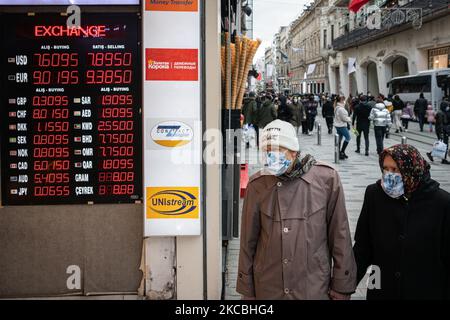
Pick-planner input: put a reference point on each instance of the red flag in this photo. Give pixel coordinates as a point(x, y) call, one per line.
point(355, 5)
point(259, 78)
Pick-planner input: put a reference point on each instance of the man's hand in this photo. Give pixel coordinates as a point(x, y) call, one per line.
point(338, 296)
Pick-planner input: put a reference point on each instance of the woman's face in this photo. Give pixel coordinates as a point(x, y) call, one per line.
point(389, 165)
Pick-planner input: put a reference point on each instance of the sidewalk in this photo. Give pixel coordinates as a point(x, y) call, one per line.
point(356, 174)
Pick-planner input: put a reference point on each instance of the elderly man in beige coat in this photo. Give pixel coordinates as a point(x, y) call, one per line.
point(295, 236)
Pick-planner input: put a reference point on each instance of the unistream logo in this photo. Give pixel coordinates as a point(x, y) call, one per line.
point(172, 134)
point(172, 202)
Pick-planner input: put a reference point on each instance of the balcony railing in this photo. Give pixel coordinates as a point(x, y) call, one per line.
point(358, 36)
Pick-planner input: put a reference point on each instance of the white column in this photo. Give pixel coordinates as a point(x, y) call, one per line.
point(382, 75)
point(343, 74)
point(359, 80)
point(213, 176)
point(332, 79)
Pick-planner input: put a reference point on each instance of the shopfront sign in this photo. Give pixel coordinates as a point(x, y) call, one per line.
point(71, 121)
point(172, 5)
point(172, 118)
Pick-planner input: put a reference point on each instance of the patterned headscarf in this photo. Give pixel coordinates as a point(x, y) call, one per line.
point(413, 167)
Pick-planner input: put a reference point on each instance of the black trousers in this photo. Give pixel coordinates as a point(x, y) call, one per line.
point(311, 120)
point(257, 135)
point(380, 133)
point(421, 117)
point(405, 123)
point(363, 130)
point(305, 127)
point(329, 121)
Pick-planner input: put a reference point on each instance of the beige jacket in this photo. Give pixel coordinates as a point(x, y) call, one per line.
point(295, 238)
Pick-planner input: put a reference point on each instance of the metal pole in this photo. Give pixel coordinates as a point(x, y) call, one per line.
point(404, 140)
point(319, 134)
point(336, 148)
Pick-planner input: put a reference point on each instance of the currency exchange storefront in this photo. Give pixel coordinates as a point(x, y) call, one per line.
point(103, 111)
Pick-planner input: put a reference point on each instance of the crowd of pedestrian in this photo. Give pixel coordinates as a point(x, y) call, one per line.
point(348, 114)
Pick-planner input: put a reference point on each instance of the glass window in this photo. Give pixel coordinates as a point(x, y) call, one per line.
point(411, 85)
point(439, 58)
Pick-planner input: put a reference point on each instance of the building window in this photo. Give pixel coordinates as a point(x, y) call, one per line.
point(439, 58)
point(325, 38)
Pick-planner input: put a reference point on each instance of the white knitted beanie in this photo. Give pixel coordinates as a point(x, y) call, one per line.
point(280, 133)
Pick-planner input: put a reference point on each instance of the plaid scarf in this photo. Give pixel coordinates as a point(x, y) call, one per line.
point(300, 167)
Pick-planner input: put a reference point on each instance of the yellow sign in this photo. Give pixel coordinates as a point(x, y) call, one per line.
point(172, 203)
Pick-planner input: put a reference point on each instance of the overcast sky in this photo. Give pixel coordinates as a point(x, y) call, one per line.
point(270, 15)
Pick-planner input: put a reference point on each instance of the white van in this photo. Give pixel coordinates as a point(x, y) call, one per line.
point(408, 88)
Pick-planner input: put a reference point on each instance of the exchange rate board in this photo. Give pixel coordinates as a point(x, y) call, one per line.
point(71, 117)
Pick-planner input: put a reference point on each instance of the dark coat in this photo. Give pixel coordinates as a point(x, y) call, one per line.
point(408, 240)
point(284, 112)
point(266, 114)
point(297, 112)
point(361, 115)
point(328, 110)
point(442, 121)
point(295, 238)
point(249, 111)
point(421, 105)
point(311, 108)
point(398, 104)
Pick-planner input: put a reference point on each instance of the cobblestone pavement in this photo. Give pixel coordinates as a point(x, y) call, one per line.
point(356, 174)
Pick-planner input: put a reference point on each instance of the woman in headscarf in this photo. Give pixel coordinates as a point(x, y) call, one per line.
point(404, 230)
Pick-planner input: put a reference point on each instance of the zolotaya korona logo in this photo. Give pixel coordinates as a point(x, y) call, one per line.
point(155, 65)
point(172, 134)
point(172, 202)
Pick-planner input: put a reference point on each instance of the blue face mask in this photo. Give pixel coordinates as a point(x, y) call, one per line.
point(277, 164)
point(392, 184)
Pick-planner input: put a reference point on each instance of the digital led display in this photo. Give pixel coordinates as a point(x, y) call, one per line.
point(71, 118)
